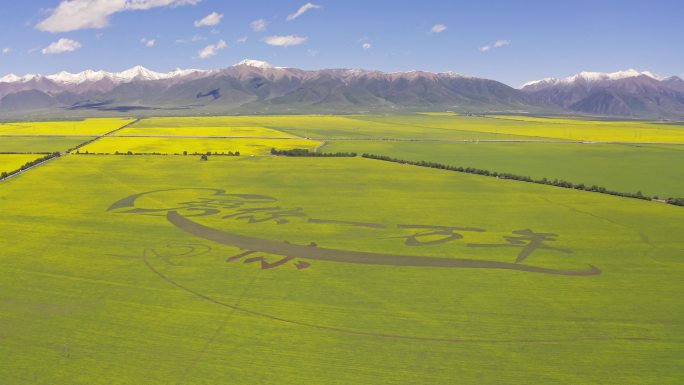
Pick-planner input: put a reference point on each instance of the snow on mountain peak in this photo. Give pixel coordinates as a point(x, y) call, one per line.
point(10, 78)
point(127, 76)
point(139, 73)
point(588, 76)
point(255, 64)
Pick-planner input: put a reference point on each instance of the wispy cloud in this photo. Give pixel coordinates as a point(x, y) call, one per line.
point(501, 43)
point(148, 42)
point(259, 25)
point(6, 50)
point(302, 10)
point(210, 20)
point(285, 41)
point(193, 39)
point(438, 28)
point(61, 46)
point(242, 40)
point(73, 15)
point(497, 44)
point(212, 49)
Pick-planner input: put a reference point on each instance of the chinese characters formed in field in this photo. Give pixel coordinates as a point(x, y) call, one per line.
point(250, 209)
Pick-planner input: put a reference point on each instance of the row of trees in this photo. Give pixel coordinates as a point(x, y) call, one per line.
point(28, 165)
point(676, 201)
point(555, 182)
point(305, 152)
point(229, 153)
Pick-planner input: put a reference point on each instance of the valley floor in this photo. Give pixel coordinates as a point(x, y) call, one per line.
point(336, 270)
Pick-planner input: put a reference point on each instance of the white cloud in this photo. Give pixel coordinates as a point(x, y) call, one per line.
point(365, 43)
point(259, 25)
point(73, 15)
point(241, 40)
point(302, 10)
point(212, 49)
point(6, 50)
point(438, 28)
point(61, 46)
point(193, 39)
point(211, 19)
point(497, 44)
point(312, 52)
point(148, 42)
point(285, 41)
point(501, 43)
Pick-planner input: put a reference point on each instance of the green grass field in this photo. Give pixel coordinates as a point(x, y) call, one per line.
point(652, 169)
point(285, 270)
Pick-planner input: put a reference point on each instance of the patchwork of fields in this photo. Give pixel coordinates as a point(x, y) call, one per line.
point(273, 269)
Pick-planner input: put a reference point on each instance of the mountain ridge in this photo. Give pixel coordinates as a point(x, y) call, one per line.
point(254, 86)
point(624, 93)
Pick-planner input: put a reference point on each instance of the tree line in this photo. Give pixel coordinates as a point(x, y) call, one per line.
point(305, 152)
point(555, 182)
point(216, 153)
point(27, 165)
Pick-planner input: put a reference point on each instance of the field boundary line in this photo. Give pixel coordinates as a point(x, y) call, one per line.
point(23, 169)
point(544, 181)
point(69, 151)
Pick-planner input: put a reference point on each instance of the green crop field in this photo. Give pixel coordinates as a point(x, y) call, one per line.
point(40, 143)
point(317, 270)
point(534, 127)
point(652, 169)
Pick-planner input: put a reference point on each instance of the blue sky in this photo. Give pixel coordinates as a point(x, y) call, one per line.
point(526, 40)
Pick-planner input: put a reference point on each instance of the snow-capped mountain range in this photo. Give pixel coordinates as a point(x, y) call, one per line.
point(258, 86)
point(622, 93)
point(139, 73)
point(593, 77)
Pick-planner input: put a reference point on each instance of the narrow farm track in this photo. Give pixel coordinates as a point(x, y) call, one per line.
point(16, 174)
point(110, 133)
